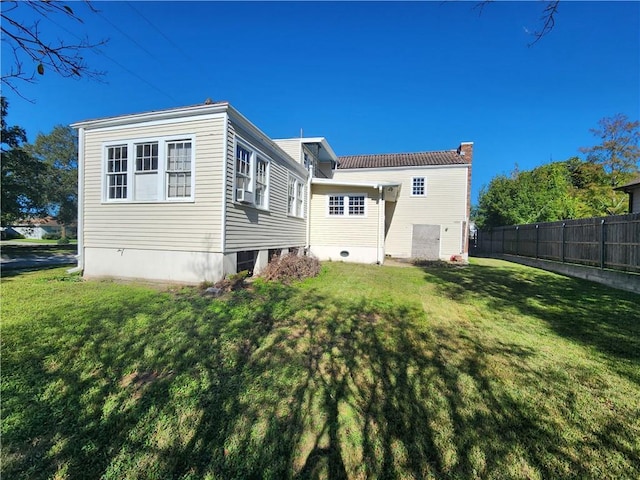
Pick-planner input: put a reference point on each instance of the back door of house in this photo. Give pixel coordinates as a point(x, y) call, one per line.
point(425, 242)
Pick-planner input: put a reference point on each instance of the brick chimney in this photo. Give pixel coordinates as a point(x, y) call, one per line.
point(465, 150)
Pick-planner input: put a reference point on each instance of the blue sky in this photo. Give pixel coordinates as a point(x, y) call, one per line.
point(377, 77)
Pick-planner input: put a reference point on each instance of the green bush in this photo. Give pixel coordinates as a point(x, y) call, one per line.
point(51, 236)
point(64, 241)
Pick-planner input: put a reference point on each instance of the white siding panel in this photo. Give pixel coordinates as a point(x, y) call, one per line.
point(292, 146)
point(177, 226)
point(250, 228)
point(444, 204)
point(343, 231)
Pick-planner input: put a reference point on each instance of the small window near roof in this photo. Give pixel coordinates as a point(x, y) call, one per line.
point(419, 187)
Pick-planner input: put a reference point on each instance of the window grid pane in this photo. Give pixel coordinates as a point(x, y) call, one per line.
point(336, 205)
point(147, 157)
point(418, 187)
point(356, 205)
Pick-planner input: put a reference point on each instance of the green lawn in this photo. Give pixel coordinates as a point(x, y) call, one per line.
point(489, 371)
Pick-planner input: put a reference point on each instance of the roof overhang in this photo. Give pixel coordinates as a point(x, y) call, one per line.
point(629, 186)
point(390, 189)
point(172, 113)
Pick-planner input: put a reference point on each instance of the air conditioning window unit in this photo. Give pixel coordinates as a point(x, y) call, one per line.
point(244, 196)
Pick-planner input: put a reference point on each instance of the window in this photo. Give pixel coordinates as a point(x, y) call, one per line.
point(336, 205)
point(252, 177)
point(159, 169)
point(296, 197)
point(117, 172)
point(419, 187)
point(146, 171)
point(243, 168)
point(261, 183)
point(355, 205)
point(179, 169)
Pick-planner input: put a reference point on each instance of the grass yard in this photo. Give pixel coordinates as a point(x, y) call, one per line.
point(494, 370)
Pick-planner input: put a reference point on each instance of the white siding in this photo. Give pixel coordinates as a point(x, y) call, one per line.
point(332, 234)
point(292, 147)
point(187, 226)
point(250, 228)
point(444, 204)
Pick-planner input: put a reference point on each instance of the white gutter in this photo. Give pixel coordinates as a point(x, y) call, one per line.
point(80, 223)
point(347, 183)
point(225, 155)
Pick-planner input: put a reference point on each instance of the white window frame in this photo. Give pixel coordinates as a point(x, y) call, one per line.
point(296, 189)
point(255, 157)
point(346, 205)
point(423, 186)
point(161, 172)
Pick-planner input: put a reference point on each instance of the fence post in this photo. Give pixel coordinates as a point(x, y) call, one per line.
point(603, 239)
point(491, 241)
point(537, 238)
point(562, 248)
point(517, 238)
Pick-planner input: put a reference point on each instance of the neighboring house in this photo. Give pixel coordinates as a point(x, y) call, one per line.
point(195, 193)
point(633, 189)
point(35, 227)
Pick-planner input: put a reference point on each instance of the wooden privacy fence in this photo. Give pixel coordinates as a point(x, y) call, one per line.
point(605, 242)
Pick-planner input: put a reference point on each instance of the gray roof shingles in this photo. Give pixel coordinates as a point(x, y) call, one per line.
point(444, 157)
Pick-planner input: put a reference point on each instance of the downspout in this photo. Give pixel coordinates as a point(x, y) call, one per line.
point(308, 206)
point(80, 223)
point(380, 204)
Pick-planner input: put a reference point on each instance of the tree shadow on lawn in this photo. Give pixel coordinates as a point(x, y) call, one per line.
point(602, 318)
point(273, 383)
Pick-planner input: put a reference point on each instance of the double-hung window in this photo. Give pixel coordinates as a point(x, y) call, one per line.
point(146, 171)
point(418, 186)
point(252, 176)
point(261, 183)
point(117, 172)
point(243, 169)
point(347, 205)
point(149, 170)
point(296, 197)
point(178, 169)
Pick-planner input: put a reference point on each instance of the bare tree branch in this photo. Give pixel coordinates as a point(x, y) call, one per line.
point(31, 47)
point(548, 17)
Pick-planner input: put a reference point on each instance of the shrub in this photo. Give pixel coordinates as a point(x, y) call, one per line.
point(51, 236)
point(291, 267)
point(64, 241)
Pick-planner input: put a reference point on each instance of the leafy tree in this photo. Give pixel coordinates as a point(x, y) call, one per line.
point(618, 155)
point(33, 52)
point(23, 177)
point(539, 195)
point(59, 151)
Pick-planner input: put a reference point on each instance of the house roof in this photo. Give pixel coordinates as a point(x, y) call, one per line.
point(628, 186)
point(444, 157)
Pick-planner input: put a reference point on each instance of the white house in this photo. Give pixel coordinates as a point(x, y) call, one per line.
point(195, 193)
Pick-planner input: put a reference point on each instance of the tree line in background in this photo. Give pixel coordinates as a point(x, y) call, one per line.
point(39, 178)
point(574, 188)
